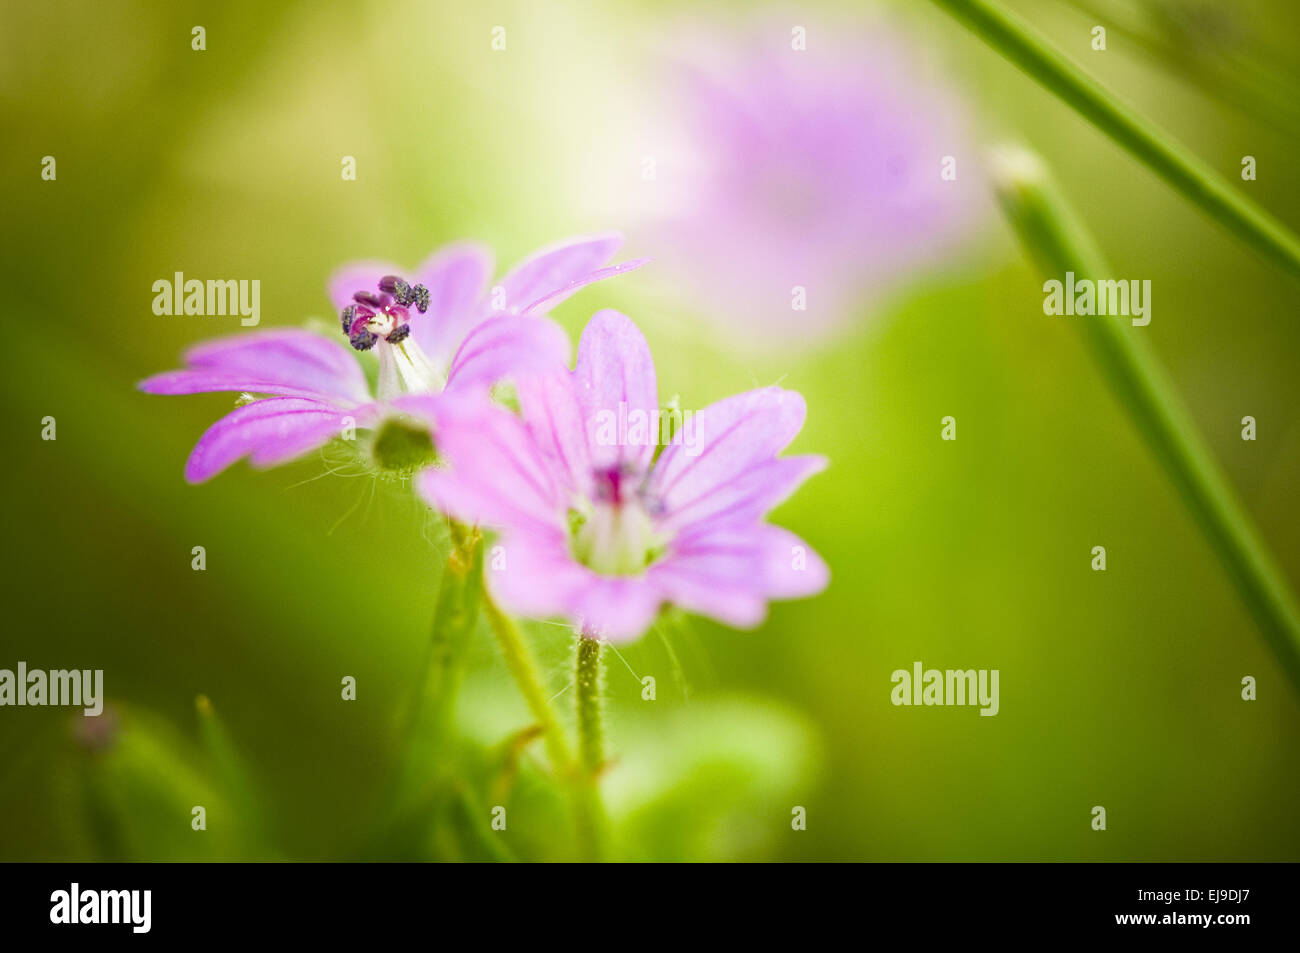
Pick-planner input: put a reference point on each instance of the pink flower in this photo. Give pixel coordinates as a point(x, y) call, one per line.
point(600, 525)
point(437, 332)
point(813, 180)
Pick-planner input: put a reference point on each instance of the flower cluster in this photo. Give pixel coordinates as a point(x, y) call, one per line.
point(597, 524)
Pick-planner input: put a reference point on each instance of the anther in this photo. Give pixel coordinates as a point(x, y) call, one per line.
point(420, 295)
point(363, 340)
point(349, 313)
point(392, 284)
point(396, 287)
point(399, 334)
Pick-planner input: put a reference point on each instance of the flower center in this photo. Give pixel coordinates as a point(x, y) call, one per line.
point(383, 314)
point(615, 534)
point(382, 317)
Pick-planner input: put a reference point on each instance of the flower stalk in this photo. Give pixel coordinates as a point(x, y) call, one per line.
point(1051, 232)
point(1193, 179)
point(589, 685)
point(523, 668)
point(588, 681)
point(589, 812)
point(454, 619)
point(433, 705)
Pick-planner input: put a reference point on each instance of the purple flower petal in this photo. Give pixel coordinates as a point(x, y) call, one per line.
point(286, 362)
point(617, 608)
point(791, 568)
point(615, 377)
point(736, 434)
point(496, 474)
point(545, 303)
point(206, 382)
point(718, 576)
point(554, 268)
point(532, 574)
point(426, 408)
point(271, 431)
point(455, 276)
point(551, 412)
point(731, 574)
point(513, 346)
point(745, 498)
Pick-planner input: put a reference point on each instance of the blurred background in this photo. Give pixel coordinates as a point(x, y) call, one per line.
point(1119, 689)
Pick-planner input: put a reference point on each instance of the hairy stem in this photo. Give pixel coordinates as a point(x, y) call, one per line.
point(455, 616)
point(1194, 179)
point(588, 680)
point(433, 704)
point(589, 813)
point(1052, 233)
point(523, 668)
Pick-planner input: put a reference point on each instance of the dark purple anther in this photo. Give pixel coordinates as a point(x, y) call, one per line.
point(420, 295)
point(362, 339)
point(396, 287)
point(386, 308)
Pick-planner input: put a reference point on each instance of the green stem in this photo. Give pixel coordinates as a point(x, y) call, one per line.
point(589, 812)
point(1051, 232)
point(454, 618)
point(1197, 182)
point(589, 688)
point(1246, 79)
point(519, 660)
point(588, 679)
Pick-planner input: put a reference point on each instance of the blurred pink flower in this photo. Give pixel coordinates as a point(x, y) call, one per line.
point(602, 527)
point(811, 180)
point(437, 332)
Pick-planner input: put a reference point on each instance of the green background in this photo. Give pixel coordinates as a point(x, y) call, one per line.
point(1119, 689)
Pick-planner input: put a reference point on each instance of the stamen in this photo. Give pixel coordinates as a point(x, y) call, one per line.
point(617, 539)
point(375, 312)
point(420, 295)
point(405, 294)
point(362, 339)
point(396, 287)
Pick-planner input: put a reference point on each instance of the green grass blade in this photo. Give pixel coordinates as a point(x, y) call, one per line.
point(1187, 174)
point(1053, 234)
